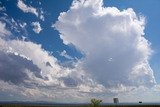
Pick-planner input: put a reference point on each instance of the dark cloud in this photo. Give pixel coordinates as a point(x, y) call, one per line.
point(13, 68)
point(69, 82)
point(48, 64)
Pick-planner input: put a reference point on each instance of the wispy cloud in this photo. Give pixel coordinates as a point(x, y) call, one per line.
point(27, 9)
point(64, 54)
point(3, 31)
point(41, 16)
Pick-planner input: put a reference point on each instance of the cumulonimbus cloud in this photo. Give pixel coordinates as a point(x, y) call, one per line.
point(116, 51)
point(115, 59)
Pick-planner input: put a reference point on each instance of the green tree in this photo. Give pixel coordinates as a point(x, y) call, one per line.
point(95, 102)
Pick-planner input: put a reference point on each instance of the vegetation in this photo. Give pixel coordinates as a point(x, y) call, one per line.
point(95, 102)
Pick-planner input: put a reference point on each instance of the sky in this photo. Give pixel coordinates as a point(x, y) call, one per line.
point(74, 50)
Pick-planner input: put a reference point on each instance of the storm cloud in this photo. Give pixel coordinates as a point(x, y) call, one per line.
point(116, 51)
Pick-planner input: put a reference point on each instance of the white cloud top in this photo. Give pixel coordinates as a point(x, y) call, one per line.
point(103, 33)
point(36, 27)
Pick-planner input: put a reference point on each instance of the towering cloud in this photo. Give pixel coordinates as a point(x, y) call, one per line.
point(116, 51)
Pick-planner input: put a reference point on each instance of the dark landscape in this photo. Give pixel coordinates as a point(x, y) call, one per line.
point(43, 104)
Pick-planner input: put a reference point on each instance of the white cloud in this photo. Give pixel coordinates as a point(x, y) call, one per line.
point(115, 61)
point(103, 33)
point(13, 26)
point(64, 54)
point(36, 27)
point(27, 9)
point(3, 31)
point(41, 16)
point(28, 72)
point(140, 94)
point(23, 25)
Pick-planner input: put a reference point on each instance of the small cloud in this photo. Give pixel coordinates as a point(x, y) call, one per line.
point(27, 9)
point(41, 16)
point(22, 25)
point(39, 3)
point(36, 27)
point(64, 54)
point(110, 59)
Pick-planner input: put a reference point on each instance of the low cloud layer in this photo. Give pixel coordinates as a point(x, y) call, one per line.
point(113, 42)
point(29, 72)
point(13, 68)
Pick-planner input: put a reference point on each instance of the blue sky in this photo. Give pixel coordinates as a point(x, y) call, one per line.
point(100, 49)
